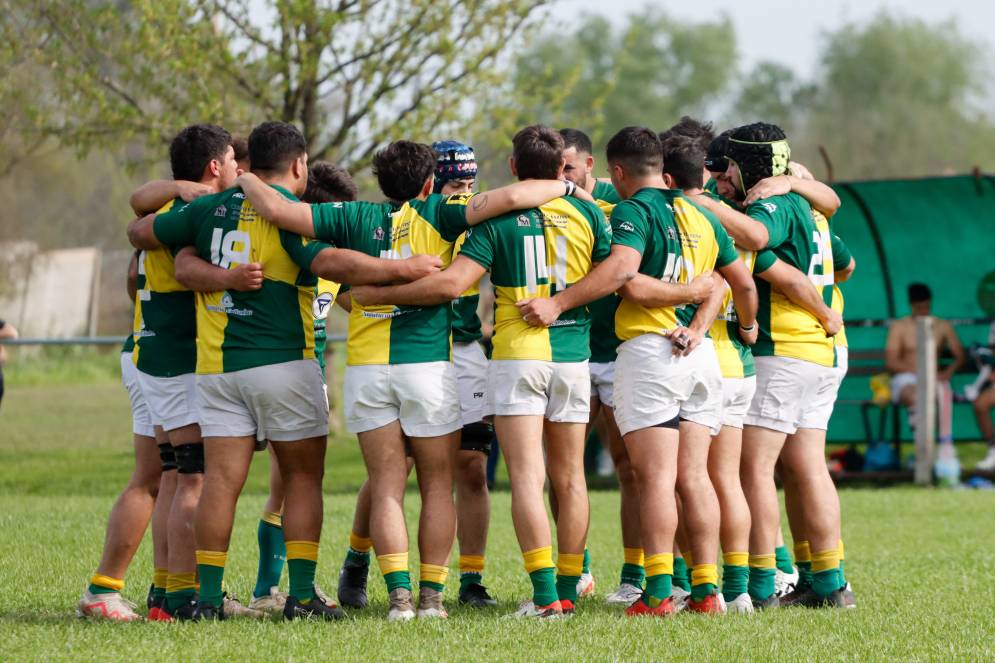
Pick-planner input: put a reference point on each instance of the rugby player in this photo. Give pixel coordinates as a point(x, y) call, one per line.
point(663, 385)
point(578, 156)
point(399, 379)
point(7, 330)
point(538, 381)
point(455, 174)
point(794, 360)
point(257, 377)
point(684, 168)
point(147, 496)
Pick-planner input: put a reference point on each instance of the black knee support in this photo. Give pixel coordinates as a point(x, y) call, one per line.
point(190, 458)
point(167, 456)
point(477, 437)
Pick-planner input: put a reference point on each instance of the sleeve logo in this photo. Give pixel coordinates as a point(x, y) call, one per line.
point(770, 207)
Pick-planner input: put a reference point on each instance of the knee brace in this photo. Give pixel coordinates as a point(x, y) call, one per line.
point(190, 458)
point(477, 437)
point(167, 456)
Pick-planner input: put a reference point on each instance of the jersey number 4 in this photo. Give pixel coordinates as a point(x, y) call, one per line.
point(230, 247)
point(535, 263)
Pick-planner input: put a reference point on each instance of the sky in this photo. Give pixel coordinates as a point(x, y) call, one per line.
point(799, 24)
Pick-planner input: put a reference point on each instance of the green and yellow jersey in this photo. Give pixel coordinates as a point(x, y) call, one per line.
point(800, 237)
point(466, 322)
point(129, 343)
point(678, 241)
point(604, 342)
point(735, 357)
point(240, 330)
point(324, 299)
point(165, 325)
point(396, 334)
point(841, 260)
point(537, 253)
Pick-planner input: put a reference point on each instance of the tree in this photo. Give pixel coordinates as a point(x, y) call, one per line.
point(351, 73)
point(600, 78)
point(900, 97)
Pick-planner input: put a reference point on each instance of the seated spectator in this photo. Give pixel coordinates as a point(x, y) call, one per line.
point(982, 396)
point(7, 330)
point(900, 359)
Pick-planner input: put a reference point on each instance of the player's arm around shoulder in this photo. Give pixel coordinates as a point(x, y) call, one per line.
point(270, 204)
point(197, 274)
point(517, 196)
point(437, 288)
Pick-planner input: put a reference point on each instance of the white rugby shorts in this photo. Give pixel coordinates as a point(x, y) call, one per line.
point(471, 367)
point(141, 418)
point(736, 396)
point(603, 382)
point(280, 402)
point(172, 401)
point(653, 386)
point(423, 396)
point(558, 391)
point(792, 394)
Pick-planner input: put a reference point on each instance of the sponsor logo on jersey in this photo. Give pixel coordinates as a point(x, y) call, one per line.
point(524, 221)
point(625, 225)
point(770, 207)
point(227, 307)
point(321, 304)
point(378, 233)
point(220, 210)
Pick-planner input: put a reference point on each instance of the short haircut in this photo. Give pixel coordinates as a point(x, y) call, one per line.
point(402, 168)
point(273, 147)
point(637, 150)
point(691, 128)
point(329, 183)
point(194, 148)
point(538, 152)
point(919, 292)
point(684, 160)
point(577, 139)
point(241, 146)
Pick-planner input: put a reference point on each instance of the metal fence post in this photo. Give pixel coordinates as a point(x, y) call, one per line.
point(925, 400)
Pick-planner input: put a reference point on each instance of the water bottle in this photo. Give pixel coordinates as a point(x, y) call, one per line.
point(947, 467)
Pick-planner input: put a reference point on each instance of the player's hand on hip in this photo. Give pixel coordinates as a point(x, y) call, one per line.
point(246, 277)
point(768, 187)
point(701, 287)
point(420, 266)
point(540, 311)
point(190, 191)
point(832, 322)
point(749, 336)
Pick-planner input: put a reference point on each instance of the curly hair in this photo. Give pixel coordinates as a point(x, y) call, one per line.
point(329, 183)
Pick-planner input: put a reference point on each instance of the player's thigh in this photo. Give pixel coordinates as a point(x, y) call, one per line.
point(227, 460)
point(520, 438)
point(564, 448)
point(428, 395)
point(804, 454)
point(386, 461)
point(141, 416)
point(653, 455)
point(301, 457)
point(435, 458)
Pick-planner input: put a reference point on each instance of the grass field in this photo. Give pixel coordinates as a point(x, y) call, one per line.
point(920, 560)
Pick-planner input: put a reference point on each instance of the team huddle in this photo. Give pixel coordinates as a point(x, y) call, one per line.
point(687, 308)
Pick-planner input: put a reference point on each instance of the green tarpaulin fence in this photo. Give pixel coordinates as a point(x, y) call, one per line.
point(939, 231)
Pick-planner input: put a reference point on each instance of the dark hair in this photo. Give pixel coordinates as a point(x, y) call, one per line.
point(700, 132)
point(637, 149)
point(329, 183)
point(402, 167)
point(273, 146)
point(715, 153)
point(194, 148)
point(538, 152)
point(919, 292)
point(241, 146)
point(577, 139)
point(684, 160)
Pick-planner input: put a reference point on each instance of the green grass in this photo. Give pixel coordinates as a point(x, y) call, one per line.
point(920, 561)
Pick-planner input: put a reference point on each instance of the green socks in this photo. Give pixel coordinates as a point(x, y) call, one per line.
point(211, 571)
point(398, 580)
point(587, 561)
point(544, 586)
point(302, 562)
point(469, 578)
point(272, 553)
point(681, 578)
point(782, 557)
point(735, 574)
